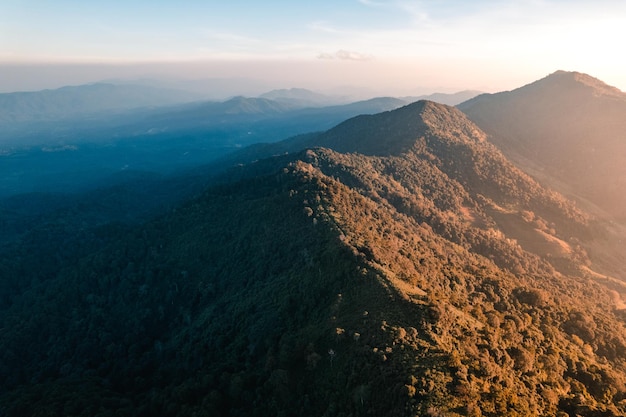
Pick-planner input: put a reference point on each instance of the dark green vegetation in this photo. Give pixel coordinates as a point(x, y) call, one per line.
point(404, 268)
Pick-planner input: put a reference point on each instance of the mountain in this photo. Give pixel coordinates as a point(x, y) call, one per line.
point(250, 109)
point(214, 89)
point(302, 97)
point(245, 105)
point(235, 110)
point(406, 268)
point(566, 129)
point(451, 99)
point(71, 101)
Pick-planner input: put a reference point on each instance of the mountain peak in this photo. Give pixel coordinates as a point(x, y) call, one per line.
point(395, 132)
point(575, 82)
point(564, 87)
point(301, 97)
point(247, 105)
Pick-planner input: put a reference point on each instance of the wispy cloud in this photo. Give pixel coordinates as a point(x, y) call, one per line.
point(230, 38)
point(325, 27)
point(372, 3)
point(345, 55)
point(418, 10)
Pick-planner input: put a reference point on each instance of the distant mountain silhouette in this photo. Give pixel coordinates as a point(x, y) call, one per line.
point(308, 98)
point(568, 129)
point(451, 99)
point(72, 101)
point(234, 107)
point(302, 97)
point(271, 108)
point(280, 119)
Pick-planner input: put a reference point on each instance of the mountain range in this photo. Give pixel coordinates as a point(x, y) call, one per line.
point(75, 138)
point(93, 101)
point(84, 100)
point(396, 264)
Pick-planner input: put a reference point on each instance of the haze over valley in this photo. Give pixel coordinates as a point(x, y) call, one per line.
point(76, 137)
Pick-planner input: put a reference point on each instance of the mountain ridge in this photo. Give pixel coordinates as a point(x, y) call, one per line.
point(399, 128)
point(566, 129)
point(574, 78)
point(450, 99)
point(88, 99)
point(303, 97)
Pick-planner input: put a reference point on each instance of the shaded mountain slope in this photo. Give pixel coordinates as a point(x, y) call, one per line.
point(567, 129)
point(394, 281)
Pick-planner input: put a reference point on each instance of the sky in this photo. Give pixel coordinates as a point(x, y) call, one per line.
point(398, 47)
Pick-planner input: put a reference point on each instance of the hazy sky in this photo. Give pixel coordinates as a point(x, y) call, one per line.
point(387, 45)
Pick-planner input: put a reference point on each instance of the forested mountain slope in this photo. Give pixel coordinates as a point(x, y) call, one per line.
point(406, 268)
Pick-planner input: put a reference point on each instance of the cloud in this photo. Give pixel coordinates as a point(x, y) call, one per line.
point(372, 3)
point(342, 54)
point(326, 55)
point(323, 26)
